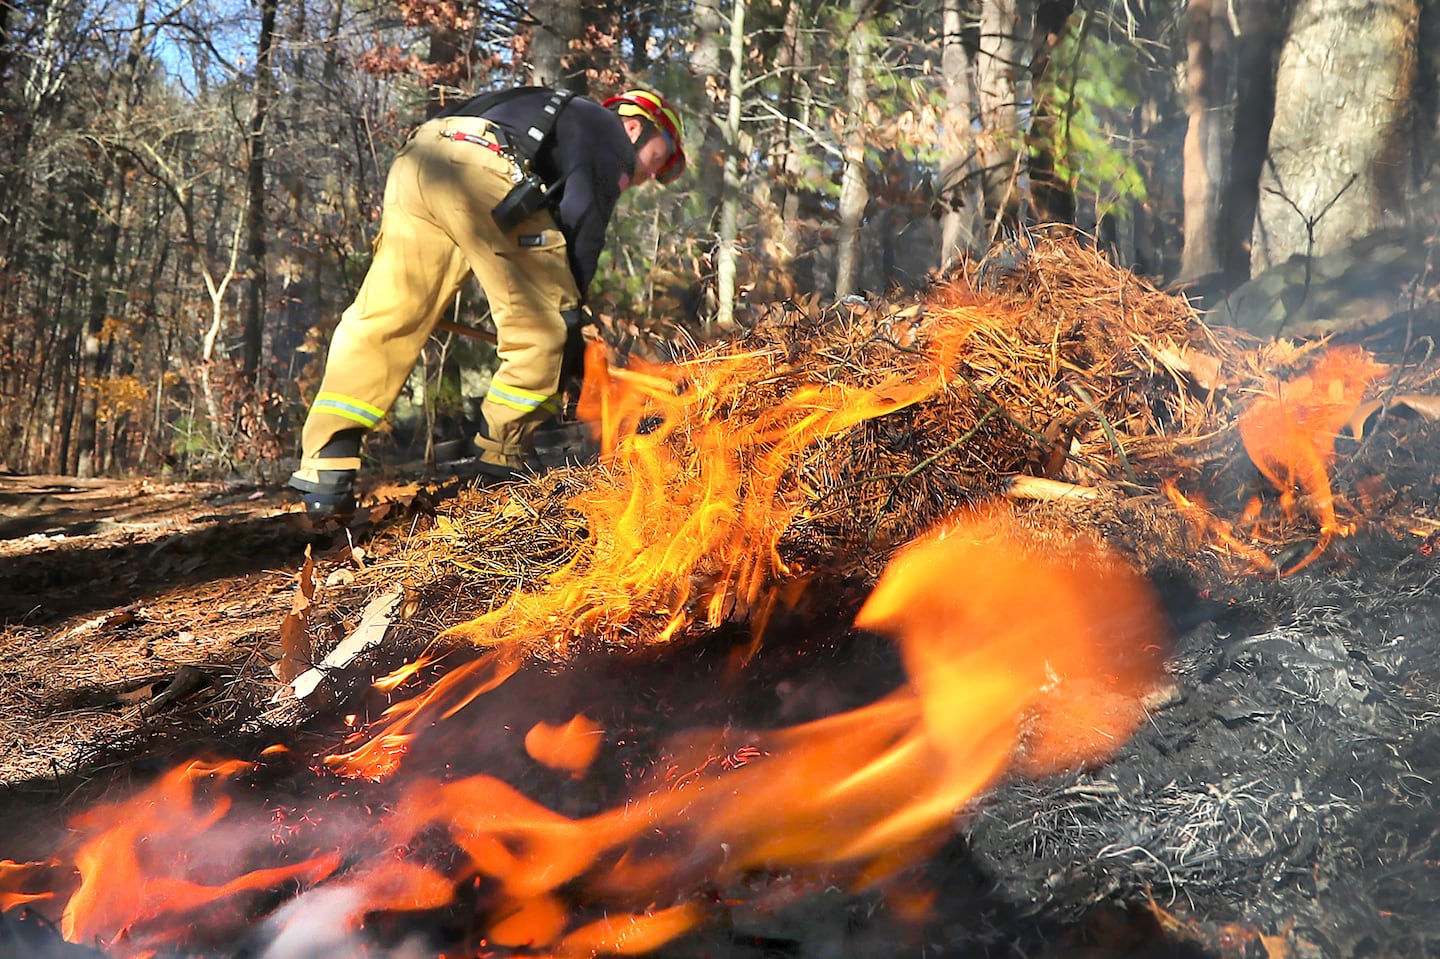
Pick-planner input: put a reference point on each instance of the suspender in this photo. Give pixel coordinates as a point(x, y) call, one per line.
point(528, 144)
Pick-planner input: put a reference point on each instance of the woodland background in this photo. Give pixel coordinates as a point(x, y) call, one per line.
point(189, 188)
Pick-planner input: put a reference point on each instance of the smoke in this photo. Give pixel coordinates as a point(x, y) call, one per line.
point(326, 923)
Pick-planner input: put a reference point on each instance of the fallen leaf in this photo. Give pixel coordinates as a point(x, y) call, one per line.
point(297, 652)
point(374, 621)
point(1426, 406)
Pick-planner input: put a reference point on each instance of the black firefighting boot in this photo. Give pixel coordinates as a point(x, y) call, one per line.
point(502, 462)
point(330, 493)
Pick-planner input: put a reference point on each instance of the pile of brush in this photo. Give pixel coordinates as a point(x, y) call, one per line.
point(821, 439)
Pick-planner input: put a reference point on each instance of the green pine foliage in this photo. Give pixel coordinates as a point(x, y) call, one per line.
point(1090, 87)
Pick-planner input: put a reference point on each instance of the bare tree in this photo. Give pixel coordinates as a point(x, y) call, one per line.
point(854, 191)
point(256, 220)
point(960, 196)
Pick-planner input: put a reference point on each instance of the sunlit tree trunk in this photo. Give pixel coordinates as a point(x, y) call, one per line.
point(854, 192)
point(964, 205)
point(729, 231)
point(778, 194)
point(1201, 254)
point(996, 71)
point(1342, 92)
point(557, 26)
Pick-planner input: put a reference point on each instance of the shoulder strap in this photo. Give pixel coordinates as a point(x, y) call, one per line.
point(528, 143)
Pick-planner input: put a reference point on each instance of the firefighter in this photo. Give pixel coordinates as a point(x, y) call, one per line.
point(516, 188)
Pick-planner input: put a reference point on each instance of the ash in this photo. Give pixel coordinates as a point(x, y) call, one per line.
point(1285, 789)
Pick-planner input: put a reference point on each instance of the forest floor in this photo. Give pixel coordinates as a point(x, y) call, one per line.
point(1275, 808)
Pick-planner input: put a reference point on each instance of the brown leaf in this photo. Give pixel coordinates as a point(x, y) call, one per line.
point(1202, 368)
point(1426, 406)
point(297, 652)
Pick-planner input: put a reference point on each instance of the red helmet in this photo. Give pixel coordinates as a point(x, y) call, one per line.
point(652, 107)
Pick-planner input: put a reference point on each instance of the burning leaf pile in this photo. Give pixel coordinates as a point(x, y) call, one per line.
point(820, 443)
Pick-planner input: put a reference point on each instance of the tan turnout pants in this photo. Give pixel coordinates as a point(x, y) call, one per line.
point(435, 230)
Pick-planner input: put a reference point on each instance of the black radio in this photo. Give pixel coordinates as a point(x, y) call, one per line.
point(525, 198)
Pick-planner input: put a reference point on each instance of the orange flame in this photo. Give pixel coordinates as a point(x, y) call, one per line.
point(1022, 655)
point(685, 522)
point(571, 746)
point(133, 872)
point(1290, 434)
point(15, 876)
point(1040, 662)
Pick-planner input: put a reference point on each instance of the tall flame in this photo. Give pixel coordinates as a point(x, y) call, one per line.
point(686, 516)
point(686, 519)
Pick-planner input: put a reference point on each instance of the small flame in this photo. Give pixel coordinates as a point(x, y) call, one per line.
point(16, 876)
point(403, 674)
point(571, 746)
point(1289, 433)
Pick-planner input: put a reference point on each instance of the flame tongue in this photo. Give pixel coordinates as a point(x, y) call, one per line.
point(140, 863)
point(17, 876)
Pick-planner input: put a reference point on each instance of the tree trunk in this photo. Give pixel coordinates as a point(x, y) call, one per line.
point(1342, 91)
point(255, 298)
point(1262, 28)
point(557, 25)
point(996, 69)
point(961, 226)
point(729, 233)
point(92, 351)
point(854, 192)
point(1201, 253)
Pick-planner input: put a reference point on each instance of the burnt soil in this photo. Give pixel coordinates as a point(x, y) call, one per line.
point(1279, 803)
